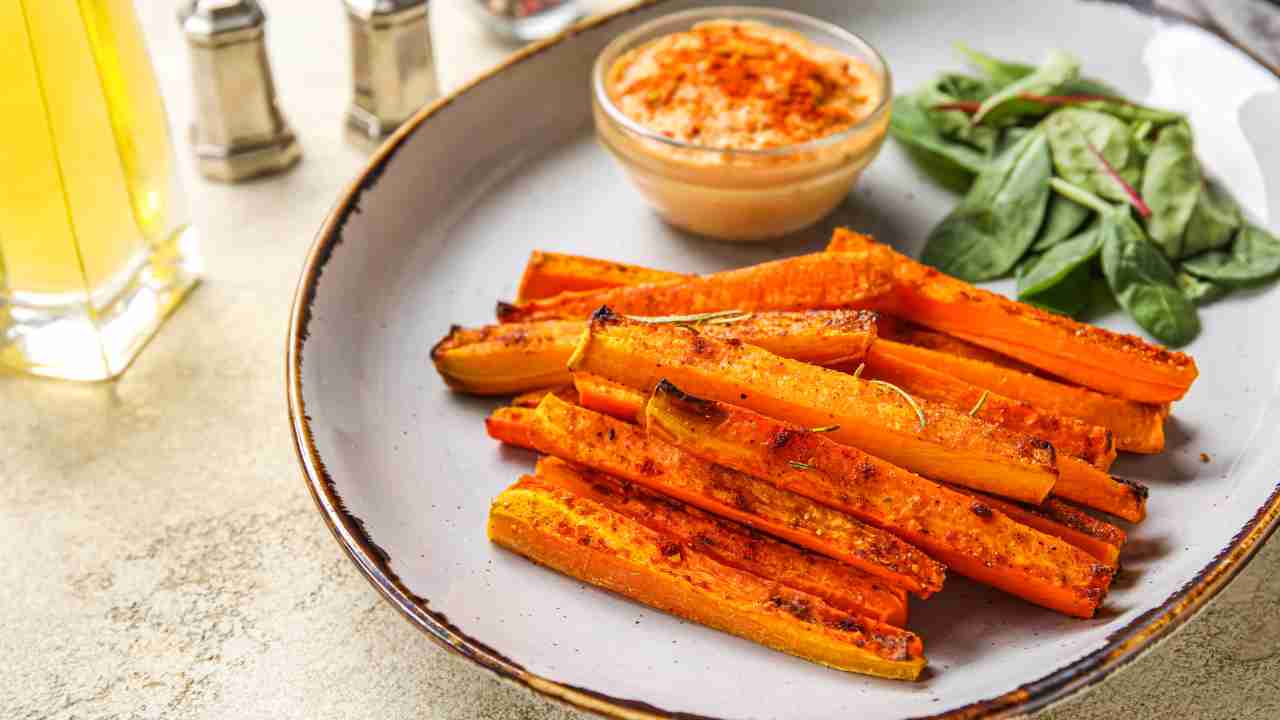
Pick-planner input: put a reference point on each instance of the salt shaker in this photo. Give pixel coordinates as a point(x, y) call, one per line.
point(526, 20)
point(392, 69)
point(239, 131)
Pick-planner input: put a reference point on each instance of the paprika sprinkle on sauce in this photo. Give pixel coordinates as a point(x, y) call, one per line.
point(742, 85)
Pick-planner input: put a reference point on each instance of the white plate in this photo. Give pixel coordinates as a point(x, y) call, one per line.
point(439, 227)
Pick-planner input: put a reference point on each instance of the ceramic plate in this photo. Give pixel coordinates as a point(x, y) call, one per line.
point(439, 227)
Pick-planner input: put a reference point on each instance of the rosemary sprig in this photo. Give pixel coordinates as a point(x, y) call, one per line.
point(825, 429)
point(982, 400)
point(906, 396)
point(858, 372)
point(799, 465)
point(718, 317)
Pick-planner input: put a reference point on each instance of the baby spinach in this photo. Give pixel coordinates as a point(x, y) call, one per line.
point(1253, 257)
point(1063, 217)
point(1061, 260)
point(1143, 281)
point(910, 124)
point(1171, 185)
point(1213, 222)
point(993, 226)
point(999, 72)
point(1093, 150)
point(949, 89)
point(1058, 68)
point(1200, 292)
point(1070, 295)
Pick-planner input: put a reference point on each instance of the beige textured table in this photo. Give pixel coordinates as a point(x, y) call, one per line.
point(162, 557)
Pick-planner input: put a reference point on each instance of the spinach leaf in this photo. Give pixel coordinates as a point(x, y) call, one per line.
point(1061, 260)
point(999, 72)
point(1058, 68)
point(1085, 143)
point(995, 223)
point(1253, 258)
point(1131, 112)
point(1143, 282)
point(1064, 217)
point(1213, 221)
point(1068, 296)
point(1200, 292)
point(950, 88)
point(910, 124)
point(1171, 185)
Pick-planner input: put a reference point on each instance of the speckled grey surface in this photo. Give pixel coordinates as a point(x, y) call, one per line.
point(163, 559)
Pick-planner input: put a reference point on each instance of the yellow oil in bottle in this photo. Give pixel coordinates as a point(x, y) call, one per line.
point(92, 220)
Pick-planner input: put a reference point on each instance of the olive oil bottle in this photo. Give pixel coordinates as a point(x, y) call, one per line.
point(95, 244)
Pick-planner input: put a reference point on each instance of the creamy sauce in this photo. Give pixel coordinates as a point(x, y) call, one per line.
point(742, 85)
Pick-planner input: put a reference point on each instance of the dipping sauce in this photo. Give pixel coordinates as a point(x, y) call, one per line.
point(740, 129)
point(742, 85)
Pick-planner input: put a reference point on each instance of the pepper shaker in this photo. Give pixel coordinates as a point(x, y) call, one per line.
point(392, 69)
point(239, 131)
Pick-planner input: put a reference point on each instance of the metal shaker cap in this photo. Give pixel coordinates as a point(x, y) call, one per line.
point(239, 131)
point(392, 68)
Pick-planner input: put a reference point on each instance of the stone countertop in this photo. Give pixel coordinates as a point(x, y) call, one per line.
point(163, 558)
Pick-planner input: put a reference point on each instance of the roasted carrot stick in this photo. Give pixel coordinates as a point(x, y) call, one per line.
point(588, 541)
point(531, 399)
point(1069, 436)
point(929, 438)
point(510, 425)
point(900, 331)
point(608, 397)
point(1137, 427)
point(1059, 519)
point(1114, 363)
point(842, 586)
point(808, 282)
point(549, 273)
point(970, 537)
point(1082, 483)
point(623, 450)
point(503, 359)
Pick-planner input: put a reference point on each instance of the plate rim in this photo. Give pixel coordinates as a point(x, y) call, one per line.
point(1122, 647)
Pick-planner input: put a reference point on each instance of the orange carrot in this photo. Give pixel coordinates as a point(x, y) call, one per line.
point(510, 425)
point(588, 541)
point(623, 450)
point(550, 273)
point(1137, 427)
point(1114, 363)
point(1059, 519)
point(970, 537)
point(1069, 436)
point(608, 397)
point(821, 281)
point(929, 438)
point(841, 586)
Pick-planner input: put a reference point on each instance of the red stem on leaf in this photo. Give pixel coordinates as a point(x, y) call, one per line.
point(1134, 198)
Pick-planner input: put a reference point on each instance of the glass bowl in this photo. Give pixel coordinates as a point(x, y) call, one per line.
point(741, 194)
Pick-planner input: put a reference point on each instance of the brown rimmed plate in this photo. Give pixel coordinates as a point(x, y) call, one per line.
point(438, 227)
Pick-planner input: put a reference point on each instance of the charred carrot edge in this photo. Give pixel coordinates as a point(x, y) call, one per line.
point(1099, 539)
point(901, 331)
point(586, 540)
point(517, 357)
point(821, 281)
point(929, 438)
point(1115, 363)
point(608, 397)
point(531, 399)
point(840, 586)
point(550, 273)
point(510, 425)
point(1137, 427)
point(1082, 483)
point(623, 450)
point(970, 537)
point(506, 359)
point(1069, 435)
